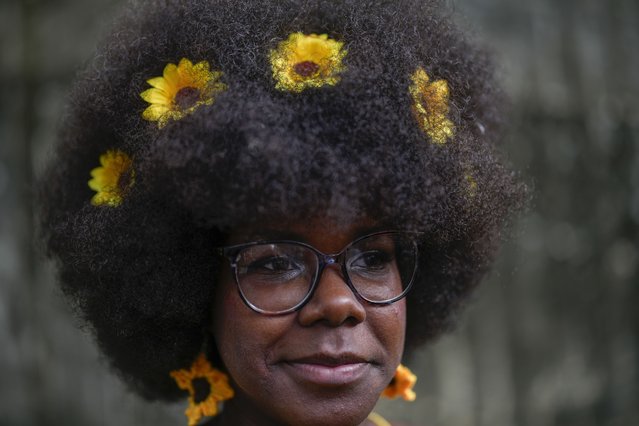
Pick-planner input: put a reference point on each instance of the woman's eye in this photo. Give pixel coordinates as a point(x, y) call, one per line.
point(371, 261)
point(274, 265)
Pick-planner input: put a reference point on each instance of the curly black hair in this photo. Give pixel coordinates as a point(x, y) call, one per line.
point(142, 274)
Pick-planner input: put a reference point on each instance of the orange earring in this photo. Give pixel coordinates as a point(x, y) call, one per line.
point(401, 385)
point(206, 387)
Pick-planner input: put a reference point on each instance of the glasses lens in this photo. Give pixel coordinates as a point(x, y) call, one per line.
point(275, 277)
point(381, 267)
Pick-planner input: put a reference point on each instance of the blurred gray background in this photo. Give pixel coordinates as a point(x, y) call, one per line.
point(552, 337)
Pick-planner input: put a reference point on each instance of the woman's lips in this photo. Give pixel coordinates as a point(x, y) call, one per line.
point(329, 370)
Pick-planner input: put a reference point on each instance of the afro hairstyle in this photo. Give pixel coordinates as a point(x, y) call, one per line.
point(141, 275)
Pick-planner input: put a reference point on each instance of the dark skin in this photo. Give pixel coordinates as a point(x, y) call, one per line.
point(276, 363)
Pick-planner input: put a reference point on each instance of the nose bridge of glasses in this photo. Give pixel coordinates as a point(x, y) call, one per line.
point(325, 260)
point(326, 277)
point(328, 259)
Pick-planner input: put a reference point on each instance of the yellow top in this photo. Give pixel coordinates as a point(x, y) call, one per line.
point(378, 420)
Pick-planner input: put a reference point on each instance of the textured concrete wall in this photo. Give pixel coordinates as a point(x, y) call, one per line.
point(553, 336)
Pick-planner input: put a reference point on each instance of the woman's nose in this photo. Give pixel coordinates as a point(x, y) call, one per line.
point(333, 301)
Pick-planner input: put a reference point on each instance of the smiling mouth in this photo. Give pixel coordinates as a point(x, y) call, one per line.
point(328, 370)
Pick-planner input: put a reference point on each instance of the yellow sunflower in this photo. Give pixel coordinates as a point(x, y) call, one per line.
point(181, 90)
point(430, 106)
point(304, 61)
point(401, 385)
point(472, 184)
point(206, 386)
point(112, 179)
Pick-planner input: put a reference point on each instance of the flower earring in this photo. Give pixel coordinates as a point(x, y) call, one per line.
point(206, 387)
point(401, 385)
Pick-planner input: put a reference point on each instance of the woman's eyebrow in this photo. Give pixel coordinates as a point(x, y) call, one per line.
point(272, 234)
point(268, 235)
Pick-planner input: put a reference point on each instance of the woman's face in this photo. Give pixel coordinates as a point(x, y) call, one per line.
point(325, 364)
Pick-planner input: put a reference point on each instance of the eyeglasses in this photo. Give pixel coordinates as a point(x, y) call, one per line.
point(279, 277)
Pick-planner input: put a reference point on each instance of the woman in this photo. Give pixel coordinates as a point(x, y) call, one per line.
point(284, 199)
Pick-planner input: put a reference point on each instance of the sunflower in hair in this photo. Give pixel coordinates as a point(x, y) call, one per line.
point(180, 90)
point(430, 106)
point(112, 179)
point(303, 61)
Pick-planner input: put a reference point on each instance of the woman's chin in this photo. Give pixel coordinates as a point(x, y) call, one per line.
point(309, 404)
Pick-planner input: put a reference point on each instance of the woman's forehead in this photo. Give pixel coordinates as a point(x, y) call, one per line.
point(320, 228)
